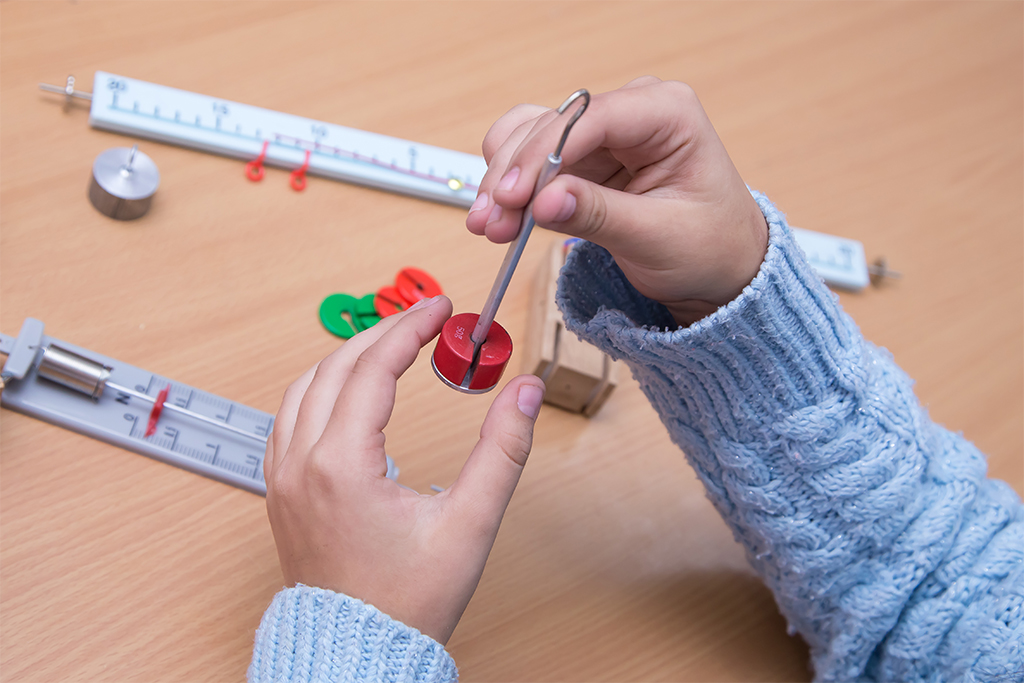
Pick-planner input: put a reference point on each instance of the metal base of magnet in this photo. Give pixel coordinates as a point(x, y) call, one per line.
point(458, 387)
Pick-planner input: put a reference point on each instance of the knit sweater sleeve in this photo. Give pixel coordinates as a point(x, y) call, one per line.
point(312, 635)
point(884, 543)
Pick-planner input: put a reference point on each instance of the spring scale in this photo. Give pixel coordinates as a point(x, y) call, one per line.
point(126, 406)
point(133, 107)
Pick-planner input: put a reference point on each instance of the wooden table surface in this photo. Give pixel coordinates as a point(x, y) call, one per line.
point(896, 124)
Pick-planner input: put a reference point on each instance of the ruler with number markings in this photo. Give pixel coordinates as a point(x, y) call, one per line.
point(192, 429)
point(134, 107)
point(121, 419)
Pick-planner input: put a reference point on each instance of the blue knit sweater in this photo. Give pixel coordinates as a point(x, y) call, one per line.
point(885, 545)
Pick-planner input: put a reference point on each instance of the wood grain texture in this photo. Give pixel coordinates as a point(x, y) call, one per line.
point(898, 124)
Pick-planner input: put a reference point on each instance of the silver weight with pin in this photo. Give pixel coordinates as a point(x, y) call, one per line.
point(123, 183)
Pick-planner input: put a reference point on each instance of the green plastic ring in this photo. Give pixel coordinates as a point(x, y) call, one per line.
point(344, 315)
point(331, 310)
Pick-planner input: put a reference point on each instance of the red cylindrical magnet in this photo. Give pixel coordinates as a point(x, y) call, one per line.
point(453, 354)
point(413, 284)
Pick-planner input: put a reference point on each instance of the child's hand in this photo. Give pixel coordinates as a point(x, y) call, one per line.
point(340, 524)
point(644, 176)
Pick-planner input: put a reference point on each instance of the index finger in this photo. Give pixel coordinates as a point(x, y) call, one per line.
point(308, 402)
point(502, 130)
point(635, 126)
point(365, 402)
point(491, 215)
point(500, 143)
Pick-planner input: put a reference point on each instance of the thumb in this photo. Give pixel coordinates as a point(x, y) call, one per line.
point(489, 477)
point(575, 206)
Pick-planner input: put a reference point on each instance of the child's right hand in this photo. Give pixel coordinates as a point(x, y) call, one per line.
point(645, 176)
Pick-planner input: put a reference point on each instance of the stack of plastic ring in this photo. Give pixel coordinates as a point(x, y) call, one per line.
point(344, 315)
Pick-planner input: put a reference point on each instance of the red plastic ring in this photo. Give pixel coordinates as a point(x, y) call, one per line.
point(388, 302)
point(254, 171)
point(298, 178)
point(414, 284)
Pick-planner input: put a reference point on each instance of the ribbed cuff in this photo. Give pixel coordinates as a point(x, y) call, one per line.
point(782, 345)
point(311, 634)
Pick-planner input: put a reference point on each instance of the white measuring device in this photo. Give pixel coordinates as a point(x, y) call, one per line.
point(134, 107)
point(840, 261)
point(129, 407)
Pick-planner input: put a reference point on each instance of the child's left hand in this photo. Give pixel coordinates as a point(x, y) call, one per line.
point(340, 524)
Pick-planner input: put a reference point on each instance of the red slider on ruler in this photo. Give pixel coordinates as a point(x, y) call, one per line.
point(158, 407)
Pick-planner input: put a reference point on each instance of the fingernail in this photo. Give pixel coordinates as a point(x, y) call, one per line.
point(567, 210)
point(480, 203)
point(529, 400)
point(509, 181)
point(495, 214)
point(423, 303)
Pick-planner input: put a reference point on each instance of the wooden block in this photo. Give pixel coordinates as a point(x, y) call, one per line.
point(578, 375)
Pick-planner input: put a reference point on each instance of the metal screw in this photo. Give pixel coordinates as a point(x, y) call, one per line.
point(68, 91)
point(879, 271)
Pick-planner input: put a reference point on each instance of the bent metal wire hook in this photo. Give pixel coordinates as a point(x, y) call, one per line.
point(552, 165)
point(572, 121)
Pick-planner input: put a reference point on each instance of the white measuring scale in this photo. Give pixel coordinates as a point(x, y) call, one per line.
point(209, 124)
point(133, 408)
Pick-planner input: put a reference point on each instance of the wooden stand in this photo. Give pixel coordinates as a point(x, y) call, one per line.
point(579, 377)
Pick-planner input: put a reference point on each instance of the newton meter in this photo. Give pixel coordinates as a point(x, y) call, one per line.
point(133, 107)
point(840, 261)
point(135, 409)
